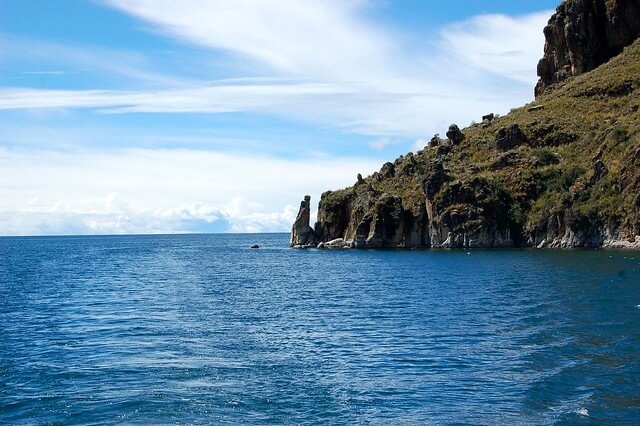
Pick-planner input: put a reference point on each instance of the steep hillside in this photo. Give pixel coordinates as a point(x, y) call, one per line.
point(563, 171)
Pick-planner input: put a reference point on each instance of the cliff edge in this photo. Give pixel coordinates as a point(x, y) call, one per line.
point(563, 171)
point(584, 34)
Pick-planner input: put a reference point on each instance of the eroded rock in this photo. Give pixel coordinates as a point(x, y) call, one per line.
point(302, 235)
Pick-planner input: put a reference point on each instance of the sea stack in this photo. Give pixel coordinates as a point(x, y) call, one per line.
point(302, 235)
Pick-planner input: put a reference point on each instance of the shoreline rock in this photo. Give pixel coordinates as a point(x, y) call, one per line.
point(302, 235)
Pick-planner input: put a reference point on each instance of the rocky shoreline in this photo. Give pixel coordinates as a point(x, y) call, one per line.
point(560, 172)
point(304, 237)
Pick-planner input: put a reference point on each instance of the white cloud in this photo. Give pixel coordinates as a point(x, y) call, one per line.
point(385, 88)
point(325, 63)
point(503, 45)
point(419, 144)
point(212, 99)
point(318, 39)
point(381, 143)
point(152, 191)
point(350, 108)
point(194, 217)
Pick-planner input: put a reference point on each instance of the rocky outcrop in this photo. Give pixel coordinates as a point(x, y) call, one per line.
point(302, 235)
point(510, 137)
point(563, 171)
point(455, 135)
point(584, 34)
point(441, 212)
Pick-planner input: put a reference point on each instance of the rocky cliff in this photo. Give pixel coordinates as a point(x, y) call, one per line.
point(584, 34)
point(563, 171)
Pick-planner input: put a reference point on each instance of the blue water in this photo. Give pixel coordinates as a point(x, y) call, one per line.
point(203, 329)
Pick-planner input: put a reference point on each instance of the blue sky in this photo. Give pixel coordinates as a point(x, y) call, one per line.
point(144, 116)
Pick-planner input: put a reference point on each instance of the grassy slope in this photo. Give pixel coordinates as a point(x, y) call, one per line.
point(554, 170)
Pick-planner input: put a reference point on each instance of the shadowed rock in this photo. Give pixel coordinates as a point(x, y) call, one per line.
point(510, 137)
point(454, 134)
point(584, 34)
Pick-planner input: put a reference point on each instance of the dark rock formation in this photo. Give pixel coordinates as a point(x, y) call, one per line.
point(469, 214)
point(510, 137)
point(302, 235)
point(387, 170)
point(584, 34)
point(434, 177)
point(488, 119)
point(599, 171)
point(444, 149)
point(454, 134)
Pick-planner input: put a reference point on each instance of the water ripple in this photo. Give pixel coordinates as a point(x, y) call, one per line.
point(201, 329)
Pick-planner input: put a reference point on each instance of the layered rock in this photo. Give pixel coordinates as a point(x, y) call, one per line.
point(584, 34)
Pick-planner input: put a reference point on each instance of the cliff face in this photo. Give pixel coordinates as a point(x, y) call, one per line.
point(584, 34)
point(563, 171)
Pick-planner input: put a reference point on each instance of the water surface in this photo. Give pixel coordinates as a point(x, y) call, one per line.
point(203, 329)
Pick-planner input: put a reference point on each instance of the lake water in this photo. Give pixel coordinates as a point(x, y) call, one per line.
point(203, 329)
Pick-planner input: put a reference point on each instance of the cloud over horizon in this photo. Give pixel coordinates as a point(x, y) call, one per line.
point(153, 191)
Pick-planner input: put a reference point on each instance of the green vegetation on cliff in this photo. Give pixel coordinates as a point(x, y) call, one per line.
point(561, 171)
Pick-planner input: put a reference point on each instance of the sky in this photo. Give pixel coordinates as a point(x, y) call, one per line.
point(164, 116)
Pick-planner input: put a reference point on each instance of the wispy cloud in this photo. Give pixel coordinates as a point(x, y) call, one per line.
point(324, 62)
point(322, 40)
point(502, 45)
point(211, 99)
point(73, 59)
point(350, 108)
point(381, 143)
point(44, 72)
